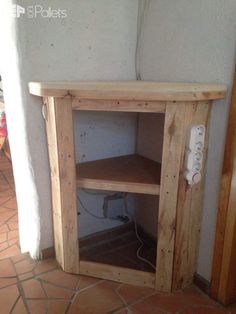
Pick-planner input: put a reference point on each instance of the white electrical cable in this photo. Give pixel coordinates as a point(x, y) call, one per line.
point(137, 235)
point(88, 211)
point(131, 217)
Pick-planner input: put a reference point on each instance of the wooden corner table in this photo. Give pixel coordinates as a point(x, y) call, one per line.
point(180, 205)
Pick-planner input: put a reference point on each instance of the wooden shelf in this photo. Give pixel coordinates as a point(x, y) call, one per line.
point(131, 173)
point(129, 90)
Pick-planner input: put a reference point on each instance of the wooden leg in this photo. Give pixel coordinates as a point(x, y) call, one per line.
point(171, 160)
point(60, 135)
point(189, 208)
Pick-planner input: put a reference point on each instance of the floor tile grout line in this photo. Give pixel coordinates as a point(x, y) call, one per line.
point(7, 178)
point(23, 258)
point(119, 295)
point(14, 305)
point(39, 274)
point(2, 204)
point(20, 289)
point(48, 298)
point(9, 218)
point(80, 291)
point(142, 299)
point(55, 285)
point(45, 292)
point(68, 307)
point(91, 286)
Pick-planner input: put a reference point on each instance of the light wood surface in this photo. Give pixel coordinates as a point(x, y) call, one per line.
point(119, 105)
point(189, 207)
point(63, 180)
point(179, 206)
point(132, 173)
point(120, 274)
point(129, 90)
point(171, 158)
point(223, 285)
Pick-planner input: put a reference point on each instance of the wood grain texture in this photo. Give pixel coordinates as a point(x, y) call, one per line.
point(223, 285)
point(171, 159)
point(119, 105)
point(131, 173)
point(189, 206)
point(179, 207)
point(129, 90)
point(119, 274)
point(63, 180)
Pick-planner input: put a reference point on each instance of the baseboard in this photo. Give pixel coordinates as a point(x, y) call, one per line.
point(101, 236)
point(47, 253)
point(105, 235)
point(201, 283)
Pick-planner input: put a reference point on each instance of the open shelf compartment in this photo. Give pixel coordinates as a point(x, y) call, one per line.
point(130, 173)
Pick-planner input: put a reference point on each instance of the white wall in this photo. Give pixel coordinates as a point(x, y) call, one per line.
point(102, 135)
point(96, 41)
point(194, 41)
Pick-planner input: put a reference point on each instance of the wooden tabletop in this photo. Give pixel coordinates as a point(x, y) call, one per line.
point(129, 90)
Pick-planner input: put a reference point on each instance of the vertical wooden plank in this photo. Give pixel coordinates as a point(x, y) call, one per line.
point(171, 159)
point(223, 285)
point(189, 206)
point(60, 136)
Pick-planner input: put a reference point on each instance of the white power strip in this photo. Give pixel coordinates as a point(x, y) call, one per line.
point(194, 154)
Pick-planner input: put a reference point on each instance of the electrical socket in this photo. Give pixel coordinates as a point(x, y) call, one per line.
point(112, 197)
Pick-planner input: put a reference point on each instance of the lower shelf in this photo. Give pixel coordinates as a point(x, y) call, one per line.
point(131, 173)
point(111, 254)
point(120, 274)
point(118, 251)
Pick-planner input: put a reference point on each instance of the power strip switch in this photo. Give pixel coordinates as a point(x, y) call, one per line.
point(194, 154)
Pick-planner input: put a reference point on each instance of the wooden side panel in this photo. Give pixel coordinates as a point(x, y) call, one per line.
point(189, 207)
point(63, 179)
point(223, 285)
point(171, 159)
point(120, 274)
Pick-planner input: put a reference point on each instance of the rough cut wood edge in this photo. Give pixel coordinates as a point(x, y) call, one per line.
point(62, 164)
point(189, 206)
point(119, 105)
point(129, 90)
point(171, 158)
point(119, 274)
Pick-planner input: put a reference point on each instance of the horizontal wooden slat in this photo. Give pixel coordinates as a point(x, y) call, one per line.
point(119, 105)
point(129, 90)
point(118, 186)
point(120, 274)
point(132, 173)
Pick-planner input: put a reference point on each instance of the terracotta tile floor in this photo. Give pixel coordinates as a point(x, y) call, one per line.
point(36, 287)
point(9, 240)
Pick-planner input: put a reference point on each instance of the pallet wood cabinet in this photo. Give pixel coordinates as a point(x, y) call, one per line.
point(180, 205)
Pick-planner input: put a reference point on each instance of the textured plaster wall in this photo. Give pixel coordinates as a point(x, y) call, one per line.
point(194, 41)
point(96, 41)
